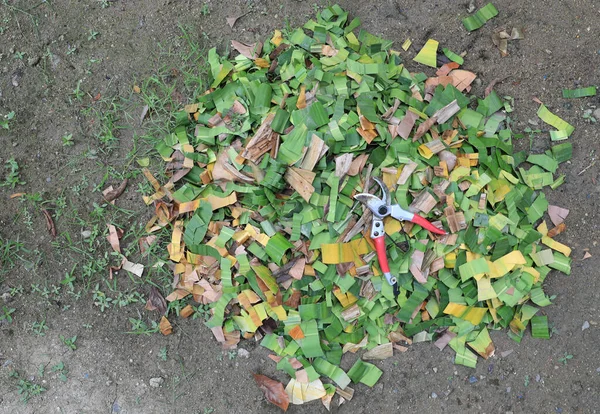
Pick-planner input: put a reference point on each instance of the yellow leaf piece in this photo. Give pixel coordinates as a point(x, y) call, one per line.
point(174, 248)
point(554, 245)
point(188, 206)
point(346, 299)
point(391, 225)
point(543, 228)
point(485, 290)
point(536, 275)
point(493, 312)
point(301, 103)
point(428, 55)
point(250, 231)
point(336, 253)
point(262, 63)
point(219, 202)
point(500, 192)
point(406, 44)
point(425, 151)
point(517, 326)
point(506, 263)
point(277, 38)
point(467, 313)
point(260, 309)
point(280, 312)
point(459, 172)
point(299, 392)
point(450, 260)
point(189, 149)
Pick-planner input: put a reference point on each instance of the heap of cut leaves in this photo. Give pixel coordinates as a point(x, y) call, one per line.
point(265, 230)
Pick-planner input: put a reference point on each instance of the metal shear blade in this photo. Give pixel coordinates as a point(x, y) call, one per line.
point(379, 206)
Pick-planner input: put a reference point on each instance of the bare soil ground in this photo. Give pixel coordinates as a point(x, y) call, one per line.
point(69, 68)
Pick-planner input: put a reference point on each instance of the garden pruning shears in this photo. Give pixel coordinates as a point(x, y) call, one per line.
point(382, 208)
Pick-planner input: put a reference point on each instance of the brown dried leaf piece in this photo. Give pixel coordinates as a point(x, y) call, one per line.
point(557, 230)
point(116, 193)
point(273, 390)
point(165, 326)
point(156, 301)
point(250, 51)
point(113, 238)
point(231, 21)
point(557, 214)
point(462, 79)
point(262, 142)
point(424, 127)
point(49, 223)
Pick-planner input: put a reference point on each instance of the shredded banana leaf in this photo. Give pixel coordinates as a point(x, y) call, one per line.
point(262, 173)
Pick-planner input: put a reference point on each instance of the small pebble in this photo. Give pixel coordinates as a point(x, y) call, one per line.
point(86, 234)
point(33, 60)
point(508, 389)
point(433, 395)
point(242, 353)
point(156, 382)
point(538, 378)
point(435, 370)
point(585, 326)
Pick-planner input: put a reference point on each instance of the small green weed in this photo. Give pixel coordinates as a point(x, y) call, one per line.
point(19, 55)
point(67, 140)
point(77, 92)
point(100, 299)
point(7, 314)
point(39, 328)
point(139, 327)
point(10, 255)
point(531, 133)
point(27, 390)
point(5, 120)
point(70, 342)
point(162, 353)
point(92, 34)
point(61, 370)
point(12, 178)
point(565, 358)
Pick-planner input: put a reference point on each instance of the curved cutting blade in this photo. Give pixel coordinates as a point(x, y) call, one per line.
point(379, 206)
point(385, 193)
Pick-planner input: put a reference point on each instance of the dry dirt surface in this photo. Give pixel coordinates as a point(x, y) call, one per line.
point(68, 71)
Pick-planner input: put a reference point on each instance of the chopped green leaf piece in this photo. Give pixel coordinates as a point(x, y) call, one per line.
point(480, 17)
point(428, 54)
point(579, 93)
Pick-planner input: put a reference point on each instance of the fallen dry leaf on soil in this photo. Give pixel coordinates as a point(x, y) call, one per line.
point(273, 390)
point(165, 326)
point(113, 238)
point(116, 193)
point(156, 301)
point(49, 223)
point(557, 214)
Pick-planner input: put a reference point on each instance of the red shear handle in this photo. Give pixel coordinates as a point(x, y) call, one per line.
point(426, 224)
point(381, 254)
